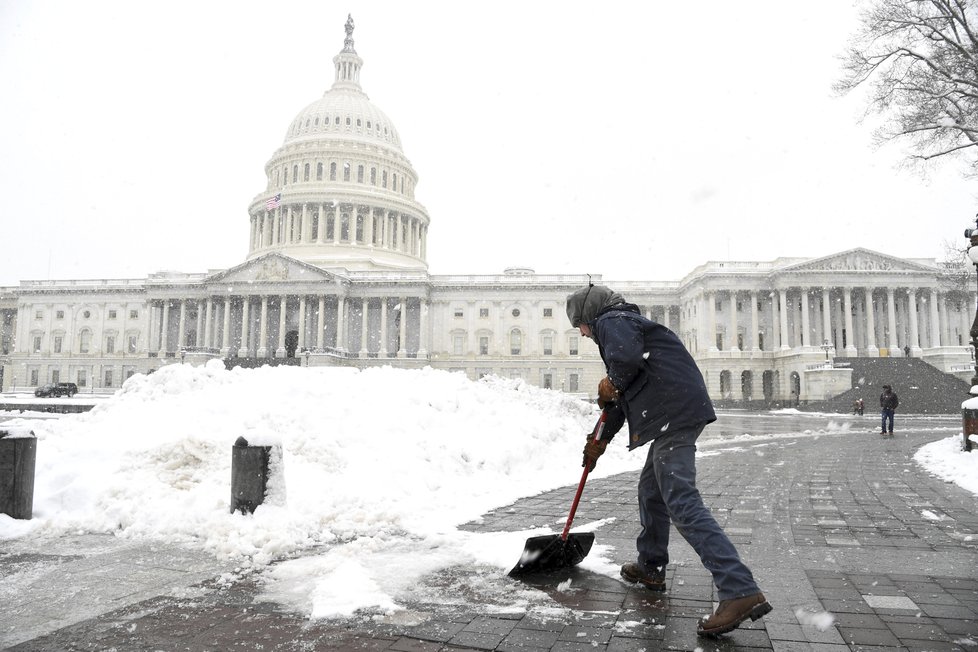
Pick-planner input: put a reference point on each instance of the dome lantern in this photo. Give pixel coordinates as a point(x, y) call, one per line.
point(347, 62)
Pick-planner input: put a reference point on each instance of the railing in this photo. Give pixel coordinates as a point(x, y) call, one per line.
point(827, 365)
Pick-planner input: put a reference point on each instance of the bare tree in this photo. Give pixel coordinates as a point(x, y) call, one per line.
point(920, 58)
point(956, 273)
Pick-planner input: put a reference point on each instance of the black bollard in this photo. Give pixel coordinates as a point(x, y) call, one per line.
point(18, 453)
point(249, 475)
point(969, 426)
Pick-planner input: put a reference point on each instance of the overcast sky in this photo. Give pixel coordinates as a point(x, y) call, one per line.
point(633, 140)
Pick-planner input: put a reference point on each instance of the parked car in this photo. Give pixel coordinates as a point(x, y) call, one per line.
point(56, 389)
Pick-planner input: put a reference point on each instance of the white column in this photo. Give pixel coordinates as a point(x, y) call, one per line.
point(243, 349)
point(262, 348)
point(182, 325)
point(364, 303)
point(341, 323)
point(783, 314)
point(151, 339)
point(199, 333)
point(733, 322)
point(226, 331)
point(711, 321)
point(165, 329)
point(944, 320)
point(805, 338)
point(283, 308)
point(321, 321)
point(892, 343)
point(827, 316)
point(665, 316)
point(368, 227)
point(401, 351)
point(755, 328)
point(423, 328)
point(935, 321)
point(382, 353)
point(302, 322)
point(851, 350)
point(914, 328)
point(870, 316)
point(208, 323)
point(838, 325)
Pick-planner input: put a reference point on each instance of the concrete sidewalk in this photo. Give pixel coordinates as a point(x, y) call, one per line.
point(846, 524)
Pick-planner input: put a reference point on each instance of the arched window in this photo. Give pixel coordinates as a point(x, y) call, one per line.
point(515, 342)
point(332, 170)
point(373, 176)
point(346, 171)
point(319, 171)
point(295, 174)
point(305, 172)
point(359, 174)
point(84, 341)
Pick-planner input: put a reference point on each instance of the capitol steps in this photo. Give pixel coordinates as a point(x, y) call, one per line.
point(922, 389)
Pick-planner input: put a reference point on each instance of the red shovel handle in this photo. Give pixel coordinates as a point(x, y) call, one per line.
point(598, 429)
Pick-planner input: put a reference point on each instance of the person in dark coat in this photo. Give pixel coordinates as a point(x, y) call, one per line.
point(653, 382)
point(888, 405)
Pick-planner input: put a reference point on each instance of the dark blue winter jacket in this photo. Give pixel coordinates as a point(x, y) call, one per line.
point(661, 388)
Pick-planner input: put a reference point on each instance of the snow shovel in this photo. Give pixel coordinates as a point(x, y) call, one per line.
point(551, 552)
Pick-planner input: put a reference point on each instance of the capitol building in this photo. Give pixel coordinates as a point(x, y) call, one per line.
point(336, 274)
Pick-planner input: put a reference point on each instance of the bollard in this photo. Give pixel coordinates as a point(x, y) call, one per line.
point(18, 453)
point(249, 475)
point(969, 426)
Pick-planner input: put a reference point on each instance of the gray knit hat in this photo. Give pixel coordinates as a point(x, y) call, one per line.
point(584, 305)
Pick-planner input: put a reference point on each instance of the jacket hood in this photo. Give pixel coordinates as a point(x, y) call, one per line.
point(584, 305)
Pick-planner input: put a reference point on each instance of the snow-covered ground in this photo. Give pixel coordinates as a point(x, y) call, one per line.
point(380, 468)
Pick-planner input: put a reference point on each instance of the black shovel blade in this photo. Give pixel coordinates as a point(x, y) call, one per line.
point(549, 552)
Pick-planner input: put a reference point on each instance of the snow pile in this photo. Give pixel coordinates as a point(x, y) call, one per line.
point(947, 460)
point(380, 466)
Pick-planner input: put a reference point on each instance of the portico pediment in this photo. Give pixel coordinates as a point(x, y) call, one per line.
point(273, 268)
point(858, 260)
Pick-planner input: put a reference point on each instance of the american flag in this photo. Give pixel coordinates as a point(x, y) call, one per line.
point(272, 203)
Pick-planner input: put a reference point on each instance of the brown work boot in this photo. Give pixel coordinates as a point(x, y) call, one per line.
point(730, 613)
point(654, 580)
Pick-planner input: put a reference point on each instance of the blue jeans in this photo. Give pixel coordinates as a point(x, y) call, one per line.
point(667, 494)
point(887, 416)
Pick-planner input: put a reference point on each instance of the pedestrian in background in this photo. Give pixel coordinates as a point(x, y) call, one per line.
point(888, 405)
point(654, 383)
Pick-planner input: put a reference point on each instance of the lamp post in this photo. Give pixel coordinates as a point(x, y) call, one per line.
point(826, 346)
point(970, 416)
point(183, 355)
point(306, 353)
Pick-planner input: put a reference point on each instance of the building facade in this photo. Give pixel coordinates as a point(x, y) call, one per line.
point(336, 274)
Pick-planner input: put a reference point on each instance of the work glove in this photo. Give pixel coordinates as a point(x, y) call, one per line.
point(607, 393)
point(592, 451)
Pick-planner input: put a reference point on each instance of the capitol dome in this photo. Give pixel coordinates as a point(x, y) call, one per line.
point(340, 191)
